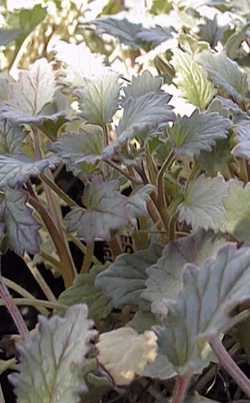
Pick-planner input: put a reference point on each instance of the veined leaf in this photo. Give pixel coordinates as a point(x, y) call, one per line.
point(80, 63)
point(225, 73)
point(237, 207)
point(78, 148)
point(190, 135)
point(28, 96)
point(143, 84)
point(226, 107)
point(11, 138)
point(242, 149)
point(192, 80)
point(52, 359)
point(106, 210)
point(124, 353)
point(83, 291)
point(99, 98)
point(16, 171)
point(203, 204)
point(20, 225)
point(165, 276)
point(204, 307)
point(124, 280)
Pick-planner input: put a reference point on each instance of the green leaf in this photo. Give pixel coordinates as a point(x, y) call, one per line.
point(192, 80)
point(226, 107)
point(99, 98)
point(203, 203)
point(217, 160)
point(52, 359)
point(143, 84)
point(165, 276)
point(225, 73)
point(190, 135)
point(28, 96)
point(11, 138)
point(204, 307)
point(83, 291)
point(77, 149)
point(106, 211)
point(22, 229)
point(142, 115)
point(237, 207)
point(210, 31)
point(124, 280)
point(16, 171)
point(233, 43)
point(242, 149)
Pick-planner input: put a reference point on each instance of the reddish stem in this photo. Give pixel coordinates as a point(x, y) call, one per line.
point(181, 387)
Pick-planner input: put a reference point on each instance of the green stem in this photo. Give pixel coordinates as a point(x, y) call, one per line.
point(70, 202)
point(68, 269)
point(123, 173)
point(20, 290)
point(87, 260)
point(160, 180)
point(243, 170)
point(229, 364)
point(39, 278)
point(181, 387)
point(50, 259)
point(83, 248)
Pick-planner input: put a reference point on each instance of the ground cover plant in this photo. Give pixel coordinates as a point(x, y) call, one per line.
point(124, 175)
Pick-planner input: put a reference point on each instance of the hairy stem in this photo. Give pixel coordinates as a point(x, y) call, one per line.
point(68, 269)
point(229, 364)
point(181, 387)
point(88, 257)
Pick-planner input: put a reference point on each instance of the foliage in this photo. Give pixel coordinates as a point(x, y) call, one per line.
point(147, 108)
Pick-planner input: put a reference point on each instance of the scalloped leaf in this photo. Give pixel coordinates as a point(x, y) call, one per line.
point(106, 211)
point(237, 207)
point(124, 353)
point(77, 149)
point(225, 73)
point(21, 228)
point(165, 276)
point(192, 80)
point(204, 307)
point(203, 203)
point(99, 98)
point(28, 96)
point(143, 84)
point(199, 132)
point(52, 359)
point(16, 171)
point(83, 291)
point(124, 280)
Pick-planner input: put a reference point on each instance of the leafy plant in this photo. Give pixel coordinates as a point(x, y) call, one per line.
point(149, 117)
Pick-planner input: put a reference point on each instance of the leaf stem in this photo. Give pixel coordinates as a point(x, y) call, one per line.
point(88, 257)
point(160, 180)
point(14, 312)
point(83, 248)
point(229, 364)
point(68, 269)
point(181, 387)
point(70, 202)
point(36, 303)
point(39, 278)
point(123, 172)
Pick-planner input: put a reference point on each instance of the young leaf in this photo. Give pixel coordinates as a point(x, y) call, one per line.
point(192, 80)
point(190, 135)
point(107, 210)
point(20, 225)
point(83, 291)
point(124, 353)
point(77, 148)
point(28, 96)
point(203, 204)
point(99, 98)
point(237, 209)
point(204, 307)
point(165, 276)
point(52, 359)
point(225, 73)
point(124, 280)
point(16, 171)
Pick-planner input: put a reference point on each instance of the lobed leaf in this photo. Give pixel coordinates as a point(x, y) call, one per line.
point(199, 132)
point(52, 359)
